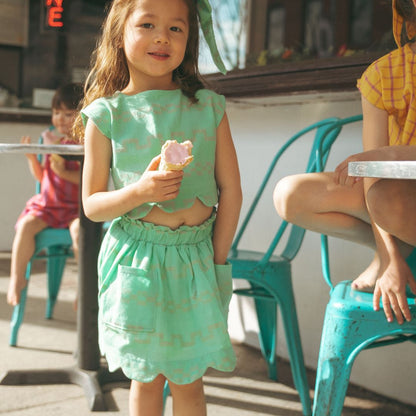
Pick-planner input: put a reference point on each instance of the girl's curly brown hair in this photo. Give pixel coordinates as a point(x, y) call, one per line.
point(109, 72)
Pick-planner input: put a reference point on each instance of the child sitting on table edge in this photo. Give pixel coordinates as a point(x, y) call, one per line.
point(57, 203)
point(378, 213)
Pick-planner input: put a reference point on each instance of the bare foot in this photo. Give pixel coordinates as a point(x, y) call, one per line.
point(14, 291)
point(366, 281)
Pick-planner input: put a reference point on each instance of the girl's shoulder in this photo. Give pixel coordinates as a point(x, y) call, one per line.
point(393, 60)
point(105, 101)
point(153, 98)
point(211, 104)
point(388, 68)
point(208, 98)
point(207, 94)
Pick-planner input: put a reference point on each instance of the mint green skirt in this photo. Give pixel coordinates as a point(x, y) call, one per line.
point(163, 304)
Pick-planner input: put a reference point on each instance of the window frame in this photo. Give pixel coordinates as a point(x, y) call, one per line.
point(318, 75)
point(291, 76)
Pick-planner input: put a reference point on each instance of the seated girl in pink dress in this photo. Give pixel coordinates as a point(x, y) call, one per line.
point(57, 203)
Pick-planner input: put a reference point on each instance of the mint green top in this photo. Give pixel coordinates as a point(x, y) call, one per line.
point(138, 126)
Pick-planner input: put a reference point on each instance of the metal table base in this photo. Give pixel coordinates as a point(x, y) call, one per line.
point(90, 371)
point(90, 381)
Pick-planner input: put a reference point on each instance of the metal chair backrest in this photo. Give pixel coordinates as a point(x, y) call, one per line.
point(40, 141)
point(322, 150)
point(326, 132)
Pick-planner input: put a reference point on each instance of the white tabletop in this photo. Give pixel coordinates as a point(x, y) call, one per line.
point(71, 149)
point(387, 169)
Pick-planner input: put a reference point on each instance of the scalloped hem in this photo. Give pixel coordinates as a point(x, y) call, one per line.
point(179, 371)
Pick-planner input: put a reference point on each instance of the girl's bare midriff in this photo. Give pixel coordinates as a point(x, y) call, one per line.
point(195, 215)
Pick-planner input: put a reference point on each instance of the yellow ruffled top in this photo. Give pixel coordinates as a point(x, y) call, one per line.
point(389, 83)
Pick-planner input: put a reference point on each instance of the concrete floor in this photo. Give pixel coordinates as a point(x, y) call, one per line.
point(51, 344)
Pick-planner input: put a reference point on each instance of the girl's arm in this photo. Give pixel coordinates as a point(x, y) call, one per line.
point(58, 166)
point(375, 144)
point(103, 205)
point(230, 196)
point(35, 166)
point(36, 169)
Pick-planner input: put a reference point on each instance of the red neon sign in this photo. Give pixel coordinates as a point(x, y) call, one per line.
point(54, 13)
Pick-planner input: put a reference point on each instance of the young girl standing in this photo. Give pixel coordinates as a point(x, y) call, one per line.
point(57, 203)
point(164, 285)
point(377, 213)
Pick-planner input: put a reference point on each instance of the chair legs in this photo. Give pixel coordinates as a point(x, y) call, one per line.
point(55, 270)
point(17, 317)
point(267, 319)
point(294, 346)
point(166, 392)
point(333, 370)
point(350, 325)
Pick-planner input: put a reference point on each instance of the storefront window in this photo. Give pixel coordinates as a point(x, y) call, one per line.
point(297, 30)
point(269, 46)
point(303, 37)
point(229, 18)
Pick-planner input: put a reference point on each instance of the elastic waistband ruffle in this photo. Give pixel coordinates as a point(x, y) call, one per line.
point(159, 234)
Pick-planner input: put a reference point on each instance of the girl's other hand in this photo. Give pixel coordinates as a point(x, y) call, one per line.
point(391, 289)
point(341, 176)
point(27, 140)
point(158, 186)
point(57, 164)
point(381, 153)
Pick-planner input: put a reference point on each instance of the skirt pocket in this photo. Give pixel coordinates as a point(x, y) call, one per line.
point(129, 303)
point(225, 284)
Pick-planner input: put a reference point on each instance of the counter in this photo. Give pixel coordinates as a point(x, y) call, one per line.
point(25, 115)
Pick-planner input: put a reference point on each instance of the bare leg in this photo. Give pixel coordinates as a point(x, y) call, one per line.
point(146, 399)
point(22, 250)
point(74, 231)
point(188, 399)
point(313, 201)
point(391, 203)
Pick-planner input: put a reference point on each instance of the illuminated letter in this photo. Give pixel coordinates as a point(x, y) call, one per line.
point(55, 17)
point(52, 2)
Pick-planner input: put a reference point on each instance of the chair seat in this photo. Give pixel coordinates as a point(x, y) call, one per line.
point(355, 303)
point(268, 280)
point(351, 325)
point(245, 262)
point(53, 237)
point(54, 245)
point(248, 255)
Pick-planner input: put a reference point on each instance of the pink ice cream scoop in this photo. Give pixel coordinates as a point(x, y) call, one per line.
point(175, 156)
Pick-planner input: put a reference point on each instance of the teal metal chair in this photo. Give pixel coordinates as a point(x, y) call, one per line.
point(54, 245)
point(350, 326)
point(269, 276)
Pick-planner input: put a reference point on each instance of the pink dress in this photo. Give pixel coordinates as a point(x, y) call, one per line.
point(58, 201)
